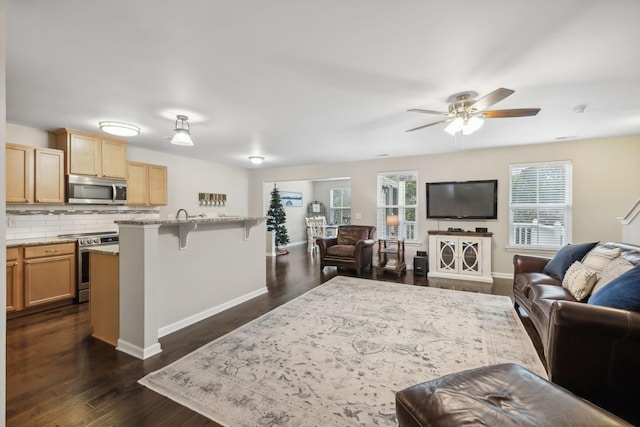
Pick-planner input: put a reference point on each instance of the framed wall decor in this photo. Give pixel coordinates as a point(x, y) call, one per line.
point(291, 199)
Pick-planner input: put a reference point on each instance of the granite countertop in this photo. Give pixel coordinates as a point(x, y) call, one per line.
point(195, 220)
point(39, 241)
point(105, 249)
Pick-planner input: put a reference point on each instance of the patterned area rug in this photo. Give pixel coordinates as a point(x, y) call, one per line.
point(337, 354)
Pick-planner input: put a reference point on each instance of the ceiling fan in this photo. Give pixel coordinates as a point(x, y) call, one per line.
point(466, 113)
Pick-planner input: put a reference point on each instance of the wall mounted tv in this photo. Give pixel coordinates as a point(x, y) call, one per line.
point(463, 200)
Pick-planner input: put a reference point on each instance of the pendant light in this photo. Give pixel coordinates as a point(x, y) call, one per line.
point(183, 134)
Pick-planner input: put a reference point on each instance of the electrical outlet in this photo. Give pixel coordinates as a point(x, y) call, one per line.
point(358, 215)
point(12, 221)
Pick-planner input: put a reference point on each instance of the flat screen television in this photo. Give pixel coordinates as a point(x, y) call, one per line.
point(463, 200)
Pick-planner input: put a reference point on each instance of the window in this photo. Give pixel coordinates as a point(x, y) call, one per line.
point(540, 204)
point(398, 195)
point(340, 209)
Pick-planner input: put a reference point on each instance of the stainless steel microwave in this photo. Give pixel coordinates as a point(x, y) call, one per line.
point(96, 191)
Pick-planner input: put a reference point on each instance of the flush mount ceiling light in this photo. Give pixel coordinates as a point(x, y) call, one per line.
point(119, 128)
point(256, 160)
point(183, 134)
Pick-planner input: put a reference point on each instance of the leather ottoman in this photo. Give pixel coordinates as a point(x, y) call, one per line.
point(498, 395)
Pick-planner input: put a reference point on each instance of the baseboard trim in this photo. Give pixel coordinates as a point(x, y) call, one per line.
point(503, 275)
point(188, 321)
point(138, 352)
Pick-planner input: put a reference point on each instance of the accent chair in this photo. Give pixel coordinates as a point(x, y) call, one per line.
point(351, 248)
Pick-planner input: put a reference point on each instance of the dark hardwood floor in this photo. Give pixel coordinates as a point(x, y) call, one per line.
point(58, 375)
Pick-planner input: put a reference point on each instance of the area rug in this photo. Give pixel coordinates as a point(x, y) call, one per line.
point(337, 354)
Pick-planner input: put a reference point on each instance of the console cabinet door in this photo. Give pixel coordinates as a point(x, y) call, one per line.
point(49, 273)
point(19, 173)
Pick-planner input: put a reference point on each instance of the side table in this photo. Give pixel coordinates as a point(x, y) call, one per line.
point(391, 256)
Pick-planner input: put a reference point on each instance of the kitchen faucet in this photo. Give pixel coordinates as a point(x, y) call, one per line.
point(186, 215)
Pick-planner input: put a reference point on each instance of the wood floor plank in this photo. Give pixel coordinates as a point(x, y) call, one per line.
point(57, 374)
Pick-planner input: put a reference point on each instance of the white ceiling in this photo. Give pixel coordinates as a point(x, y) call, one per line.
point(303, 82)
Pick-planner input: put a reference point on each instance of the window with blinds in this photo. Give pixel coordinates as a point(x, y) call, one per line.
point(540, 204)
point(398, 195)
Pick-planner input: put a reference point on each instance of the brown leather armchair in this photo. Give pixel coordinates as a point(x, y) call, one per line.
point(351, 248)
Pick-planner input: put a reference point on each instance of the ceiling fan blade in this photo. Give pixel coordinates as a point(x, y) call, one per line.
point(430, 124)
point(515, 112)
point(417, 110)
point(490, 99)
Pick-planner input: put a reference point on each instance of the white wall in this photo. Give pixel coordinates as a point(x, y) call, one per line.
point(3, 281)
point(606, 182)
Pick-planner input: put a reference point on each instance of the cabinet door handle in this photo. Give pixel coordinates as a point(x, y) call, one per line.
point(51, 250)
point(27, 262)
point(15, 263)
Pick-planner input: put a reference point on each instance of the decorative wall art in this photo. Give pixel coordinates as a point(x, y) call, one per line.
point(291, 199)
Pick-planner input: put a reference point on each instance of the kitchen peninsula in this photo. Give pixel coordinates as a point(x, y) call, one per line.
point(176, 272)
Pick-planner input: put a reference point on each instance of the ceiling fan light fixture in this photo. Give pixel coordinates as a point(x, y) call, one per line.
point(183, 134)
point(119, 128)
point(455, 126)
point(472, 125)
point(256, 160)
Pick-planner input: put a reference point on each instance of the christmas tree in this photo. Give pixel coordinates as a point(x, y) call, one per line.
point(278, 220)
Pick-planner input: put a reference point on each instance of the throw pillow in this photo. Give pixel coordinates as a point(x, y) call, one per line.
point(566, 256)
point(579, 280)
point(622, 293)
point(600, 256)
point(614, 269)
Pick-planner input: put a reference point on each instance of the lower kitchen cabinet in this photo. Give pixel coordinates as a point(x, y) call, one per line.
point(104, 299)
point(15, 296)
point(49, 273)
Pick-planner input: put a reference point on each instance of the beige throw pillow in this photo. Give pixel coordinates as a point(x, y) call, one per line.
point(615, 268)
point(599, 257)
point(579, 280)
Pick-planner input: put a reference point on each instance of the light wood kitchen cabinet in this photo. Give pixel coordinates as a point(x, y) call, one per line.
point(92, 155)
point(146, 184)
point(104, 299)
point(15, 296)
point(34, 175)
point(49, 273)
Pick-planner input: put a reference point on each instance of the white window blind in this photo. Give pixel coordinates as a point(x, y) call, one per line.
point(540, 204)
point(340, 207)
point(398, 195)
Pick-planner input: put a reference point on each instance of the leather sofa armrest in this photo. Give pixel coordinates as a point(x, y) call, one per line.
point(529, 263)
point(592, 347)
point(325, 242)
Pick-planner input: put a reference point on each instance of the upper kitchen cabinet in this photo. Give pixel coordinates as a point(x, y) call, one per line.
point(34, 175)
point(93, 155)
point(146, 184)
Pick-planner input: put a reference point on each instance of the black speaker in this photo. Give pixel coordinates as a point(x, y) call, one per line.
point(421, 253)
point(481, 229)
point(420, 266)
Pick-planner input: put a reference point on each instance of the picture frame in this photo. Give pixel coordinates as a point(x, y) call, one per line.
point(291, 199)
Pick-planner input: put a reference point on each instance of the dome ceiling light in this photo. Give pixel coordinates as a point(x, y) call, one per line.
point(119, 128)
point(256, 160)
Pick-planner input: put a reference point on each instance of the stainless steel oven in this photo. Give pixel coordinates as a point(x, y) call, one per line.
point(83, 243)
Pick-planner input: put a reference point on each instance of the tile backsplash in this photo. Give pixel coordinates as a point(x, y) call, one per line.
point(34, 221)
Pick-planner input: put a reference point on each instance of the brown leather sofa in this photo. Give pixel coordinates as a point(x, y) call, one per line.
point(593, 351)
point(497, 395)
point(351, 248)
